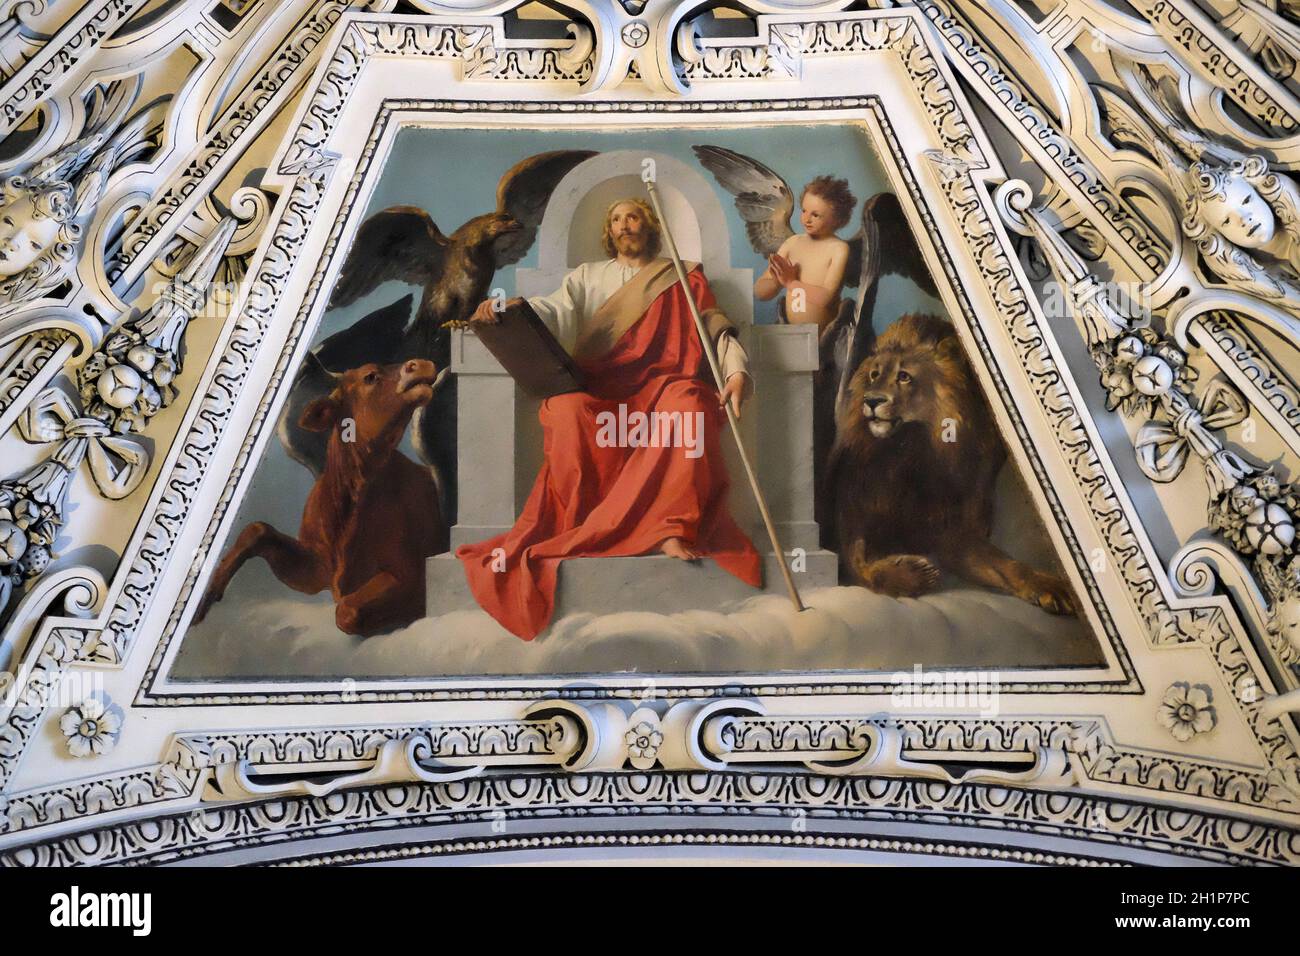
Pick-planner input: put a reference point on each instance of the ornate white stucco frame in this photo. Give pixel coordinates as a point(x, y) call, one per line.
point(1070, 752)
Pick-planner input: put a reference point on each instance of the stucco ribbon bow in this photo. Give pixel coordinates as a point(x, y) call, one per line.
point(117, 462)
point(1162, 448)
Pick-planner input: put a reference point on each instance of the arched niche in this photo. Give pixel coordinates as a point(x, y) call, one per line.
point(574, 219)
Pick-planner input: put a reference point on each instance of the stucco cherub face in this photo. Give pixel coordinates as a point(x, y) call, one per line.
point(1287, 620)
point(1241, 215)
point(24, 235)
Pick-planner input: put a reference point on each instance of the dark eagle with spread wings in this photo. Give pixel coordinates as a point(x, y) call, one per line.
point(404, 243)
point(884, 244)
point(455, 271)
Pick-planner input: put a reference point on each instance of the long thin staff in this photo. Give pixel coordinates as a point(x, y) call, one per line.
point(731, 415)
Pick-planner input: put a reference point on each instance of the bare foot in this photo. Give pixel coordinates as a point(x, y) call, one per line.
point(676, 548)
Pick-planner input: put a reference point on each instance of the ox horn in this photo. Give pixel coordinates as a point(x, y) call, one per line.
point(336, 377)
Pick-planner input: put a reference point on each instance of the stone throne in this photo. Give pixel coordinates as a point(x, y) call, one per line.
point(499, 437)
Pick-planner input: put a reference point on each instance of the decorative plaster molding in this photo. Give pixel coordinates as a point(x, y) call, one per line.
point(122, 385)
point(60, 57)
point(698, 749)
point(1185, 27)
point(785, 800)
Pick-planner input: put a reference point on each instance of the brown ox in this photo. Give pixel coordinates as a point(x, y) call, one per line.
point(372, 517)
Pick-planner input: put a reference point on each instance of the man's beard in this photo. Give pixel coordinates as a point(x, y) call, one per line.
point(630, 244)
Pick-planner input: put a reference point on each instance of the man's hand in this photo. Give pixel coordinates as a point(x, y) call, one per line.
point(783, 270)
point(734, 392)
point(487, 311)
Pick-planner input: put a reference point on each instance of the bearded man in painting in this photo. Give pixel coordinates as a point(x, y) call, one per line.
point(626, 322)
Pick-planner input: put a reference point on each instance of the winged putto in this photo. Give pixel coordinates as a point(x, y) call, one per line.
point(811, 269)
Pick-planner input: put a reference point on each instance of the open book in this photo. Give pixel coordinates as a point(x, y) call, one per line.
point(527, 350)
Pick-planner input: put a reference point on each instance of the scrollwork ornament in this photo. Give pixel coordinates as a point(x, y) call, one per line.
point(75, 592)
point(656, 40)
point(248, 204)
point(405, 759)
point(122, 386)
point(1143, 372)
point(132, 376)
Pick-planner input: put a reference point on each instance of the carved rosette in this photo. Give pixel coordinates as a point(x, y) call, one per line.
point(1186, 711)
point(92, 728)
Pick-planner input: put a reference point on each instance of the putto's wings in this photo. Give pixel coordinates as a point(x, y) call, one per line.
point(884, 245)
point(523, 193)
point(763, 198)
point(401, 242)
point(884, 226)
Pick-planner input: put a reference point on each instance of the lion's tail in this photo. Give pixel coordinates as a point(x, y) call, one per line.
point(858, 561)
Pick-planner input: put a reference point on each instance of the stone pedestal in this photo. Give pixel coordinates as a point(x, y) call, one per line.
point(499, 442)
point(500, 452)
point(784, 359)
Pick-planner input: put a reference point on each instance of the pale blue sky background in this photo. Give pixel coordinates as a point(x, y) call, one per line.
point(454, 173)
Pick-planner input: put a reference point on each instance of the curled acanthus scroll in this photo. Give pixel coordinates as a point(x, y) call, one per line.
point(18, 33)
point(1253, 511)
point(654, 40)
point(251, 206)
point(628, 737)
point(1272, 607)
point(624, 40)
point(120, 387)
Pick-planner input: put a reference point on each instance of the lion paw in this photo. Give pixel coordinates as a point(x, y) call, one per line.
point(1051, 594)
point(899, 575)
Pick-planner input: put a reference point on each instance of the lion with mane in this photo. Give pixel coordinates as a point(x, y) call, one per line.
point(913, 472)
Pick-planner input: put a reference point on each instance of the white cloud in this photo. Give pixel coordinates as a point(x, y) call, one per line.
point(845, 628)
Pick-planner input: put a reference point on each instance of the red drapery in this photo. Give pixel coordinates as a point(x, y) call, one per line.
point(595, 501)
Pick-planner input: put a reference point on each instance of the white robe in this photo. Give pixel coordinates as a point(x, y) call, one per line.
point(569, 309)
